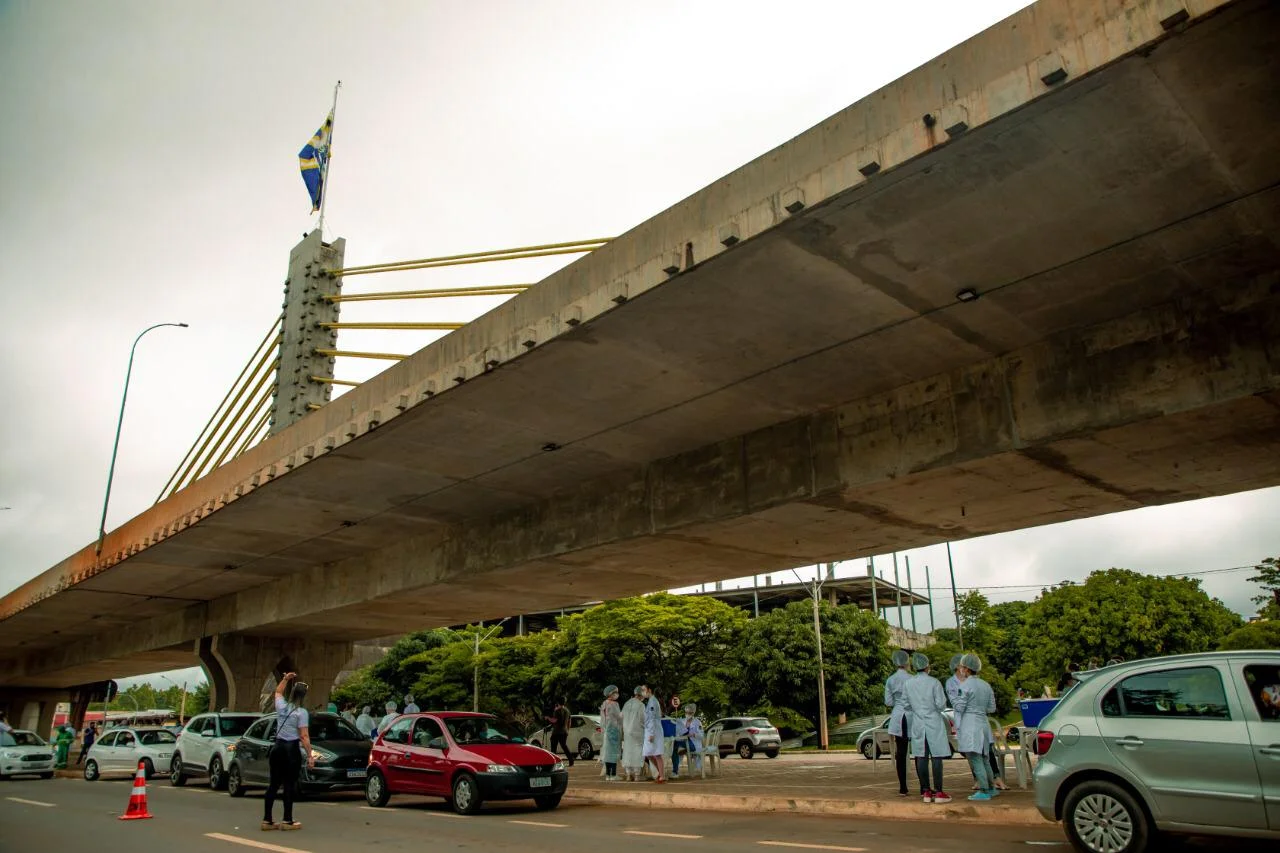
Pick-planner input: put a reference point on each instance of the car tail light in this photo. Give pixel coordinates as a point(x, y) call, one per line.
point(1044, 740)
point(753, 731)
point(598, 730)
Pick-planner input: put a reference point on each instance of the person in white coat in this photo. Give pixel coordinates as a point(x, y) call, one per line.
point(633, 736)
point(973, 732)
point(654, 741)
point(365, 723)
point(688, 737)
point(924, 701)
point(410, 707)
point(898, 724)
point(388, 718)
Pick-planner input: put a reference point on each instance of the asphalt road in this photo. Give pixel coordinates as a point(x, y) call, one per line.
point(72, 815)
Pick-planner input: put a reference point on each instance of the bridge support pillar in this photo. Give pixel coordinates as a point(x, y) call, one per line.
point(244, 670)
point(305, 308)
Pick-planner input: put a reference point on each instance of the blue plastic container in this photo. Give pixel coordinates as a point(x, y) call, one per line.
point(1035, 710)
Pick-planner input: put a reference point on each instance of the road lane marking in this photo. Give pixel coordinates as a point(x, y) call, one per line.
point(660, 834)
point(415, 811)
point(795, 844)
point(260, 845)
point(30, 802)
point(540, 823)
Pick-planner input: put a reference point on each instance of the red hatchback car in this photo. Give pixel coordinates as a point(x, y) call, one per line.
point(465, 758)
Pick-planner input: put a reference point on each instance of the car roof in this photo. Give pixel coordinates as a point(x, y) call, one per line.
point(1197, 657)
point(252, 714)
point(453, 715)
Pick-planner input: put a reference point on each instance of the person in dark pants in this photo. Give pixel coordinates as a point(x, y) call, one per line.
point(893, 699)
point(90, 735)
point(293, 740)
point(560, 730)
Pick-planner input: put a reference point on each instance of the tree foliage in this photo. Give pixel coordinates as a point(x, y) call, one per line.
point(1118, 614)
point(1255, 635)
point(1268, 577)
point(777, 663)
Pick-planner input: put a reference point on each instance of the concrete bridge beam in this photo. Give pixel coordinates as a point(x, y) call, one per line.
point(243, 670)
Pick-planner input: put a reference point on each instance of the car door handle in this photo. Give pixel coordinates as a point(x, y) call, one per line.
point(1129, 741)
point(1274, 749)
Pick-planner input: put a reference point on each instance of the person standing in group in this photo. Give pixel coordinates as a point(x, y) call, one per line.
point(953, 683)
point(611, 731)
point(923, 701)
point(365, 724)
point(560, 730)
point(388, 718)
point(633, 736)
point(90, 735)
point(284, 757)
point(899, 727)
point(66, 737)
point(348, 714)
point(654, 742)
point(973, 731)
point(410, 706)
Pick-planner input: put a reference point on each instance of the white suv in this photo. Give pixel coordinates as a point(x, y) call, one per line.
point(206, 746)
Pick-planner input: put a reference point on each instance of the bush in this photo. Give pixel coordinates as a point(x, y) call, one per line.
point(1255, 635)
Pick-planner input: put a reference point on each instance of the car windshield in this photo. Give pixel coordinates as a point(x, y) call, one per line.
point(20, 739)
point(235, 726)
point(156, 737)
point(333, 728)
point(467, 730)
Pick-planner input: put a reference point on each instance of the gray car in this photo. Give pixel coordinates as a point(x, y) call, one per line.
point(748, 735)
point(1185, 744)
point(876, 741)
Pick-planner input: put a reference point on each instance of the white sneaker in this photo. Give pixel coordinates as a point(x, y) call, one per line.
point(675, 775)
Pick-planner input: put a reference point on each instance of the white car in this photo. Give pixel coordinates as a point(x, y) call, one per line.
point(206, 747)
point(23, 752)
point(121, 750)
point(585, 736)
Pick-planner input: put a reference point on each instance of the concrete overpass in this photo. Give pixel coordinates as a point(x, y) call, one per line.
point(788, 367)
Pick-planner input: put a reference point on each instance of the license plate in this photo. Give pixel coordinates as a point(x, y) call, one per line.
point(540, 782)
point(357, 774)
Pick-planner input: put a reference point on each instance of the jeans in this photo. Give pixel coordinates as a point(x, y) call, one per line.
point(611, 768)
point(922, 771)
point(562, 740)
point(285, 762)
point(902, 748)
point(981, 767)
point(678, 748)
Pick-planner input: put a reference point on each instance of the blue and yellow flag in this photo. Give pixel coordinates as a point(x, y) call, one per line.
point(313, 159)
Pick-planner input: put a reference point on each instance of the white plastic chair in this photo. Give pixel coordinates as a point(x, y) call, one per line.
point(711, 750)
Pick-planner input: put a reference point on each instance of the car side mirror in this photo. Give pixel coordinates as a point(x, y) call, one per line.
point(437, 743)
point(207, 733)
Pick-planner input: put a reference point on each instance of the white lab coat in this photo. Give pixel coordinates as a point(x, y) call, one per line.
point(633, 734)
point(411, 708)
point(923, 701)
point(893, 699)
point(365, 724)
point(690, 729)
point(953, 689)
point(654, 742)
point(976, 700)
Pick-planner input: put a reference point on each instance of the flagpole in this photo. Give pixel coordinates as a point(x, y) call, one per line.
point(324, 178)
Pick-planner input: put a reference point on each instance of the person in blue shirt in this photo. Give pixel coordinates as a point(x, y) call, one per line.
point(973, 733)
point(898, 726)
point(293, 741)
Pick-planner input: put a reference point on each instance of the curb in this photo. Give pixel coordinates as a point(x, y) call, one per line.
point(962, 812)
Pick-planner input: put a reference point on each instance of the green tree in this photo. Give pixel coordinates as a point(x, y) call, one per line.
point(1268, 577)
point(1118, 614)
point(1003, 625)
point(670, 642)
point(777, 664)
point(363, 688)
point(1255, 635)
point(972, 607)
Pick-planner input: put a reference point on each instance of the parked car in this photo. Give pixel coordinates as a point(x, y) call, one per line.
point(341, 753)
point(465, 758)
point(585, 736)
point(1184, 744)
point(23, 752)
point(206, 747)
point(876, 741)
point(121, 749)
point(748, 735)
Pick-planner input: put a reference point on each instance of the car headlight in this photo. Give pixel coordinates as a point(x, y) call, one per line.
point(322, 756)
point(559, 766)
point(502, 768)
point(13, 755)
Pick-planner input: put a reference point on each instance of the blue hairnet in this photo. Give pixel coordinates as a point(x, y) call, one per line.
point(610, 690)
point(971, 662)
point(955, 661)
point(920, 662)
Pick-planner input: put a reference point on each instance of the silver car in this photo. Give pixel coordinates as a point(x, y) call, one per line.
point(876, 741)
point(585, 736)
point(23, 752)
point(1185, 744)
point(748, 735)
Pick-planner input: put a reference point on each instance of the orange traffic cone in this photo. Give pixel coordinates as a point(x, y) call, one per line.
point(137, 809)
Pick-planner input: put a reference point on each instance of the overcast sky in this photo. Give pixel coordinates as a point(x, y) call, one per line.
point(150, 175)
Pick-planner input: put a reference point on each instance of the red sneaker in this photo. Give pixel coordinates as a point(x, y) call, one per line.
point(941, 797)
point(926, 796)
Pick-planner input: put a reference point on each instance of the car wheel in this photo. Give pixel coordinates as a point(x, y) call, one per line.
point(466, 794)
point(376, 792)
point(235, 785)
point(745, 749)
point(868, 750)
point(1102, 817)
point(148, 769)
point(91, 773)
point(176, 777)
point(217, 781)
point(585, 750)
point(771, 753)
point(547, 802)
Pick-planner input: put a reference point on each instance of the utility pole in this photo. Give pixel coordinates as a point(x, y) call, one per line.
point(816, 594)
point(955, 599)
point(475, 662)
point(871, 570)
point(897, 586)
point(928, 585)
point(911, 596)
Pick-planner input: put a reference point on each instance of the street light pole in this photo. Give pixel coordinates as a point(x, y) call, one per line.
point(475, 664)
point(102, 526)
point(816, 593)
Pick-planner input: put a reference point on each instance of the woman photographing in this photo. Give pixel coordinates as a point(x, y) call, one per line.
point(293, 740)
